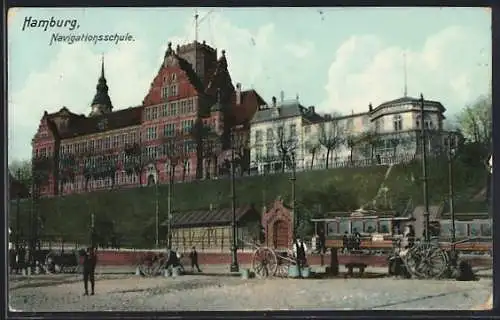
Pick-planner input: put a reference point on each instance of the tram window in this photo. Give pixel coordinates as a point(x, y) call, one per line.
point(370, 226)
point(460, 229)
point(445, 228)
point(475, 229)
point(486, 229)
point(357, 225)
point(332, 228)
point(344, 227)
point(384, 226)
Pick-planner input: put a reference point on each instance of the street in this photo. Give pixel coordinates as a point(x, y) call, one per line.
point(127, 292)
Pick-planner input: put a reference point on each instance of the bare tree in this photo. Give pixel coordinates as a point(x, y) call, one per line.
point(174, 149)
point(351, 142)
point(371, 140)
point(394, 142)
point(331, 137)
point(240, 145)
point(312, 147)
point(286, 146)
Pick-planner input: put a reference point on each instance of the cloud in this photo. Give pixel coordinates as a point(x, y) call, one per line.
point(300, 50)
point(129, 70)
point(365, 69)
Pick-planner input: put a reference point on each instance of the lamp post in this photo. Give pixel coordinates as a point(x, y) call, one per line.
point(169, 207)
point(234, 255)
point(451, 150)
point(293, 179)
point(92, 230)
point(157, 215)
point(18, 212)
point(424, 170)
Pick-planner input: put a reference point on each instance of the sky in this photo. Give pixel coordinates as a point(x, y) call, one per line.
point(337, 59)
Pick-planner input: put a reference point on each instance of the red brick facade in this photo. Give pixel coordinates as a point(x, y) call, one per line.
point(278, 226)
point(192, 85)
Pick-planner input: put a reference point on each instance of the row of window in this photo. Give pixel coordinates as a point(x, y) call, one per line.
point(271, 134)
point(152, 133)
point(114, 141)
point(174, 108)
point(362, 226)
point(397, 123)
point(467, 228)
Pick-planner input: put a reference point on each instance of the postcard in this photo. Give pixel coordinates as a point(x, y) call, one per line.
point(167, 159)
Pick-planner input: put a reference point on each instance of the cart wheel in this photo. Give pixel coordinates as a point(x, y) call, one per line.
point(283, 266)
point(264, 263)
point(426, 261)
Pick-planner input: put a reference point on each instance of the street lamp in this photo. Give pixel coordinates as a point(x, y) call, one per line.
point(424, 170)
point(157, 215)
point(169, 206)
point(234, 255)
point(293, 179)
point(18, 211)
point(452, 144)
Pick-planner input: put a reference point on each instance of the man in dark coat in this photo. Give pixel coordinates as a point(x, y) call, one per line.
point(193, 255)
point(346, 243)
point(89, 264)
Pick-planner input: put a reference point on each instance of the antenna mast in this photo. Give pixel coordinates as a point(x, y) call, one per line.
point(406, 77)
point(196, 41)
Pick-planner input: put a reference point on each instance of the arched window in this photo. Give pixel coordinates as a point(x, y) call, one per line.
point(398, 122)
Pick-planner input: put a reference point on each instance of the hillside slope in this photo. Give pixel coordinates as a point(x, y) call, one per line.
point(132, 211)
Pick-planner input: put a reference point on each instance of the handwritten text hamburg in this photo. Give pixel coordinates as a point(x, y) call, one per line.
point(71, 24)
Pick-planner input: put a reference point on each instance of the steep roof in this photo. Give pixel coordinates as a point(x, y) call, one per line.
point(287, 109)
point(81, 125)
point(208, 217)
point(246, 110)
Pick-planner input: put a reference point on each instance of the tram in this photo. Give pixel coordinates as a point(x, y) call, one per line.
point(378, 231)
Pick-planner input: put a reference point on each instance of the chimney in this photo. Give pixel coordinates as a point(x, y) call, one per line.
point(311, 109)
point(370, 107)
point(238, 93)
point(282, 96)
point(274, 102)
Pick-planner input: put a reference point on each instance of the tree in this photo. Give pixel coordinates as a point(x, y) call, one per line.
point(331, 137)
point(174, 148)
point(312, 147)
point(351, 142)
point(286, 147)
point(372, 140)
point(22, 167)
point(240, 145)
point(476, 121)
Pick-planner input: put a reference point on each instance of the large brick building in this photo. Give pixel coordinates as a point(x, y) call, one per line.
point(179, 131)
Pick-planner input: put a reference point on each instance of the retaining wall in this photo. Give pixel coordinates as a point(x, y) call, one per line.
point(126, 258)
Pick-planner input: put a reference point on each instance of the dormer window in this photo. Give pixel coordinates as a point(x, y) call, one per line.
point(101, 125)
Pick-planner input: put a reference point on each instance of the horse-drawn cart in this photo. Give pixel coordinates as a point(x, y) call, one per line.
point(267, 262)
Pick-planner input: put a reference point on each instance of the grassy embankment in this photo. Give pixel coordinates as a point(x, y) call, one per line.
point(133, 210)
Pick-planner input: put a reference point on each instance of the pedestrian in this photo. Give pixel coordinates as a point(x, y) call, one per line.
point(89, 264)
point(193, 255)
point(346, 242)
point(357, 239)
point(322, 241)
point(300, 250)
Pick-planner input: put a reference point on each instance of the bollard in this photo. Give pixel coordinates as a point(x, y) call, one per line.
point(245, 274)
point(23, 272)
point(334, 262)
point(293, 271)
point(137, 271)
point(167, 273)
point(176, 272)
point(306, 272)
point(29, 271)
